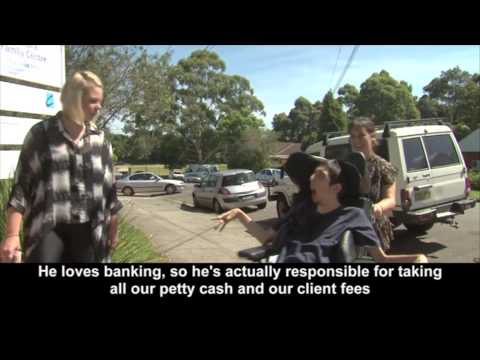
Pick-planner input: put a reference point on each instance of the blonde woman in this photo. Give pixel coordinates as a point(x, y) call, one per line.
point(64, 189)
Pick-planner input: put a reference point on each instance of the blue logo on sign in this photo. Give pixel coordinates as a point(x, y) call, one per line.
point(50, 100)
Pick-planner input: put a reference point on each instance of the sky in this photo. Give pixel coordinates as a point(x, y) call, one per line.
point(279, 74)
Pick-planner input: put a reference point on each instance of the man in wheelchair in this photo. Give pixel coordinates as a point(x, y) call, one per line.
point(327, 221)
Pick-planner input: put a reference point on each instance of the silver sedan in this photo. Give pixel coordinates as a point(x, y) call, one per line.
point(146, 182)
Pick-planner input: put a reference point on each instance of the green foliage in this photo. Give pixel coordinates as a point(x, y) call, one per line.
point(474, 177)
point(348, 95)
point(333, 118)
point(213, 106)
point(386, 99)
point(115, 66)
point(134, 246)
point(251, 150)
point(458, 92)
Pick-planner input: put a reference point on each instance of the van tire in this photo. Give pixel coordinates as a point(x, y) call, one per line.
point(262, 206)
point(419, 228)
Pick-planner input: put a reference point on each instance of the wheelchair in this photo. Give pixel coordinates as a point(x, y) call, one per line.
point(345, 251)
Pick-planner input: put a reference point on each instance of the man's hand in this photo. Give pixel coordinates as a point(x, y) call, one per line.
point(225, 218)
point(10, 248)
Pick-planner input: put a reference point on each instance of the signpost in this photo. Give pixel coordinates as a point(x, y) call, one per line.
point(31, 78)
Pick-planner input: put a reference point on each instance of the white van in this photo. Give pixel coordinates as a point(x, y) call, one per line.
point(432, 184)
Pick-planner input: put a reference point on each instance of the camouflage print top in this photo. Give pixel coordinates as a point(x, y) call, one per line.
point(382, 175)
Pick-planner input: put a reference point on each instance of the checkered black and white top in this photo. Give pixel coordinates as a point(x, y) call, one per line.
point(58, 181)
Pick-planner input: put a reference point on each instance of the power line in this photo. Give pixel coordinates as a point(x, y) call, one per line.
point(335, 68)
point(349, 62)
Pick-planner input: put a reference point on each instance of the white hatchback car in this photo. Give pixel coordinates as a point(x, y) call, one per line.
point(230, 189)
point(146, 182)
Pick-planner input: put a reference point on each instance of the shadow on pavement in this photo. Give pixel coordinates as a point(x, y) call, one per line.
point(186, 207)
point(406, 242)
point(146, 195)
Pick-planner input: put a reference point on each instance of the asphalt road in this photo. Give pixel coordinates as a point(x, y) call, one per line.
point(184, 234)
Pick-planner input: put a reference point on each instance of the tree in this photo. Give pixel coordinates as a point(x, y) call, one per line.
point(301, 124)
point(282, 125)
point(458, 92)
point(333, 118)
point(348, 95)
point(153, 107)
point(301, 119)
point(114, 65)
point(141, 145)
point(430, 108)
point(208, 100)
point(170, 150)
point(120, 145)
point(251, 150)
point(386, 99)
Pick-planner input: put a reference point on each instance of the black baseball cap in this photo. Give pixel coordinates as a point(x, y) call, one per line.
point(300, 166)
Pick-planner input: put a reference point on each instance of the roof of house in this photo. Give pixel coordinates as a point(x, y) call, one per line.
point(471, 143)
point(287, 148)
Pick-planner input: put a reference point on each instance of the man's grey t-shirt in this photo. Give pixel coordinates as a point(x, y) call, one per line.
point(306, 236)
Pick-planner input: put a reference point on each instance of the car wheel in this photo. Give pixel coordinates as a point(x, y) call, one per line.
point(217, 207)
point(262, 206)
point(419, 228)
point(282, 207)
point(127, 191)
point(170, 189)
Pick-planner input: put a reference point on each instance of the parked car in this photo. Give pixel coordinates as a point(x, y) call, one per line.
point(195, 173)
point(230, 189)
point(120, 175)
point(177, 174)
point(147, 182)
point(269, 177)
point(432, 183)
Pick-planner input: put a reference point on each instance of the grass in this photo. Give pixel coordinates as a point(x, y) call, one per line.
point(5, 188)
point(134, 245)
point(474, 194)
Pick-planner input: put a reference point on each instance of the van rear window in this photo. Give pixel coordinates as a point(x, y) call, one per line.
point(440, 150)
point(414, 155)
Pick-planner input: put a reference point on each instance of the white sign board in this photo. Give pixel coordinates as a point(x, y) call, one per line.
point(13, 130)
point(14, 97)
point(42, 67)
point(8, 163)
point(42, 64)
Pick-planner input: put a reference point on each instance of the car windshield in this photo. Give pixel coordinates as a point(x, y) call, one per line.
point(239, 179)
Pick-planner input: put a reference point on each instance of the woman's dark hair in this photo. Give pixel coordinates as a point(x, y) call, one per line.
point(364, 122)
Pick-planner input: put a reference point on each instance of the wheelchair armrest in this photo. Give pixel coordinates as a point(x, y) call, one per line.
point(257, 253)
point(346, 251)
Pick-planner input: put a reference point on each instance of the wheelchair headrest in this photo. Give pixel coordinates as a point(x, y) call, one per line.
point(358, 160)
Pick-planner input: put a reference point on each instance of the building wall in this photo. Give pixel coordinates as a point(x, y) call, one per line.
point(470, 157)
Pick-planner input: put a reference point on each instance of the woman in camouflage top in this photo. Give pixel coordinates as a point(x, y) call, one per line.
point(382, 176)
